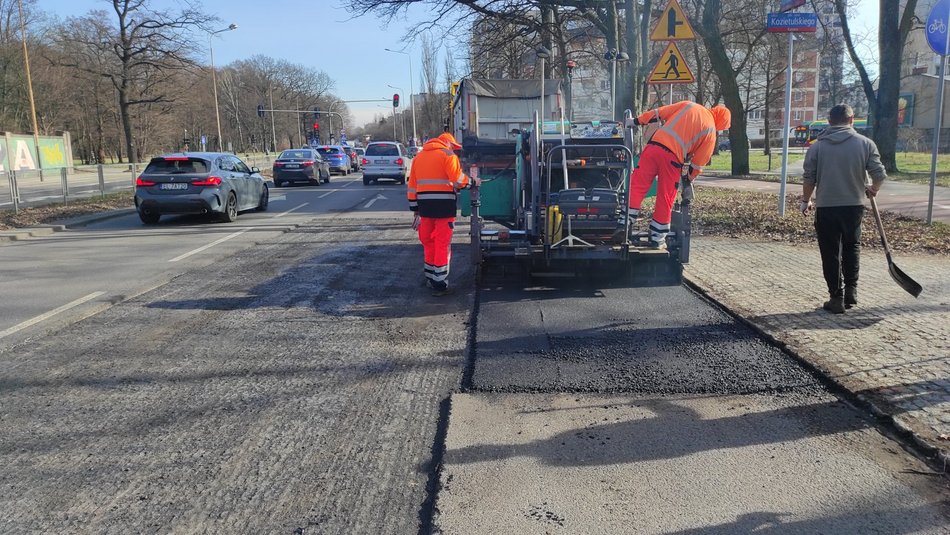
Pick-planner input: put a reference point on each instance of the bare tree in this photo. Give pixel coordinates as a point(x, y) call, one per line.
point(147, 46)
point(894, 25)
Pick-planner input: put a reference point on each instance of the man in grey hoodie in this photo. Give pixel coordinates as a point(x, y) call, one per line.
point(837, 165)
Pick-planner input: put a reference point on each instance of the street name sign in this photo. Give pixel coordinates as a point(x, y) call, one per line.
point(673, 25)
point(792, 22)
point(936, 28)
point(788, 5)
point(671, 68)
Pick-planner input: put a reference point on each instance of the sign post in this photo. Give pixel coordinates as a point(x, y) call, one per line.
point(673, 25)
point(789, 23)
point(939, 40)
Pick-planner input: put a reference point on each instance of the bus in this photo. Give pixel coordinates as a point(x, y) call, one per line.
point(807, 132)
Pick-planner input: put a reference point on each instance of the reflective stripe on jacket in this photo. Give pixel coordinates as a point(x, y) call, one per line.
point(434, 179)
point(688, 130)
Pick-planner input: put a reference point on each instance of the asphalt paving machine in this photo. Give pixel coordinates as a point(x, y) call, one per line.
point(556, 203)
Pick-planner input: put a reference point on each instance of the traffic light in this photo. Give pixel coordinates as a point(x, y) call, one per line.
point(316, 114)
point(395, 100)
point(316, 126)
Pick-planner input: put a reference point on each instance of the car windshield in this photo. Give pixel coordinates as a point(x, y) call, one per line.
point(360, 151)
point(329, 150)
point(382, 150)
point(176, 166)
point(287, 154)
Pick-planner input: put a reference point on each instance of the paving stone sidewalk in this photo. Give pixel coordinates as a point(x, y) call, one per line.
point(891, 350)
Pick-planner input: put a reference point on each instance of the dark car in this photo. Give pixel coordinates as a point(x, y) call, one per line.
point(300, 165)
point(354, 157)
point(338, 158)
point(199, 183)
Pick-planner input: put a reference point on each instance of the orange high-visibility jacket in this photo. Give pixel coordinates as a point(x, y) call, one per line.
point(688, 130)
point(434, 180)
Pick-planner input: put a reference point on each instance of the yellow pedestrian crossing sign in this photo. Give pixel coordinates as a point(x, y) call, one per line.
point(671, 68)
point(673, 25)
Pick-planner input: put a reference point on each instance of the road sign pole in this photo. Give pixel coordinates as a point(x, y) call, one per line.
point(941, 78)
point(787, 124)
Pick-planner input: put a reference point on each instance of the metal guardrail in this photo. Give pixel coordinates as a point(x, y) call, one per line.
point(19, 189)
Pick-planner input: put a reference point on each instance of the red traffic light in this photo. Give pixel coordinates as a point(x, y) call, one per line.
point(396, 100)
point(316, 126)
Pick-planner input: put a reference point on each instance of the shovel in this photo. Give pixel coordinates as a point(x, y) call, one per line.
point(908, 284)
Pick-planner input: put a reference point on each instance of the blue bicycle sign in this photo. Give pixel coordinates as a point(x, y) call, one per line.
point(937, 27)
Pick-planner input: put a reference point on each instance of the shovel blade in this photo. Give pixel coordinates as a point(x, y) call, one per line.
point(903, 280)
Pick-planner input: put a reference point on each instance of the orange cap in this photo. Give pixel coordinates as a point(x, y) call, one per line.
point(721, 116)
point(449, 140)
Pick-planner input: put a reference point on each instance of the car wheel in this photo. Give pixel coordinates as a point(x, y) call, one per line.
point(401, 180)
point(326, 179)
point(230, 209)
point(264, 201)
point(149, 218)
point(366, 181)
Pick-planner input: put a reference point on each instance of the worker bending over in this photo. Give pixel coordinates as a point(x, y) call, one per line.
point(686, 137)
point(434, 181)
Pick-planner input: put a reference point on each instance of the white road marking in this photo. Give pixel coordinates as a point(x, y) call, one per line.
point(345, 185)
point(298, 207)
point(50, 314)
point(378, 197)
point(210, 245)
point(278, 198)
point(327, 193)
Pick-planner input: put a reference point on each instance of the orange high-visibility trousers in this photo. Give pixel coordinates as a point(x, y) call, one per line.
point(435, 233)
point(655, 162)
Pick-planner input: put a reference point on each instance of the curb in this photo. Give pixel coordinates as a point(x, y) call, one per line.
point(82, 221)
point(933, 455)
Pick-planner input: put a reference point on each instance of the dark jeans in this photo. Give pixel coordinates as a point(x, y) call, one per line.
point(839, 240)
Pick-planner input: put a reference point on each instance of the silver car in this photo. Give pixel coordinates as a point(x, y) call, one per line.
point(386, 159)
point(199, 183)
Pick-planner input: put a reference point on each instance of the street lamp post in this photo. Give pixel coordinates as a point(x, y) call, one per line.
point(412, 103)
point(29, 88)
point(214, 80)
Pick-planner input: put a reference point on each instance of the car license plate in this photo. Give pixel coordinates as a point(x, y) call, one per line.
point(381, 162)
point(173, 185)
point(291, 166)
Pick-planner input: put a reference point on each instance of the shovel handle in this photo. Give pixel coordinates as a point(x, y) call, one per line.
point(880, 228)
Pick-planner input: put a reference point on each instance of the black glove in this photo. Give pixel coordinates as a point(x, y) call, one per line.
point(636, 121)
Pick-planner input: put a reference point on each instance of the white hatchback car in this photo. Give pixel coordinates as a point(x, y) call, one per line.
point(386, 159)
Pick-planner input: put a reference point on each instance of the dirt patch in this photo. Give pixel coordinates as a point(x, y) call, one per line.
point(57, 212)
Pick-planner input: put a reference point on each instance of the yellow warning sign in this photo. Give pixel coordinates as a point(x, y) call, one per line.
point(673, 25)
point(671, 68)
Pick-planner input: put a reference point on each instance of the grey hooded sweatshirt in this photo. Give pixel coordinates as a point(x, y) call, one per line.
point(838, 164)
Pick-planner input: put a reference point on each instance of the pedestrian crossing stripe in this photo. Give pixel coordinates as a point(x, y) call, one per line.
point(672, 25)
point(671, 68)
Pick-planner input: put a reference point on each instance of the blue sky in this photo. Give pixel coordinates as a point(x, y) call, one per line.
point(321, 34)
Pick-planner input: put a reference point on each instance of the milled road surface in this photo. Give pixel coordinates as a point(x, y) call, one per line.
point(294, 389)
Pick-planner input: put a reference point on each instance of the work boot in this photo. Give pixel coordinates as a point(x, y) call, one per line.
point(835, 305)
point(439, 292)
point(657, 245)
point(850, 296)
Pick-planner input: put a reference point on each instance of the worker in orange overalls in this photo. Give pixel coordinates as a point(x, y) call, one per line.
point(686, 137)
point(434, 181)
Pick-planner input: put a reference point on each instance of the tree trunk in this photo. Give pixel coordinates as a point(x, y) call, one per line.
point(631, 70)
point(644, 53)
point(719, 61)
point(891, 42)
point(127, 126)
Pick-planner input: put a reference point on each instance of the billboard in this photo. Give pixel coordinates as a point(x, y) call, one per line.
point(18, 153)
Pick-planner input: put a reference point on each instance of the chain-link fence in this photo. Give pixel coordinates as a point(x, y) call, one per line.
point(20, 189)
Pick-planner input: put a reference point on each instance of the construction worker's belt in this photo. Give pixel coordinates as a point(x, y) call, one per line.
point(662, 146)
